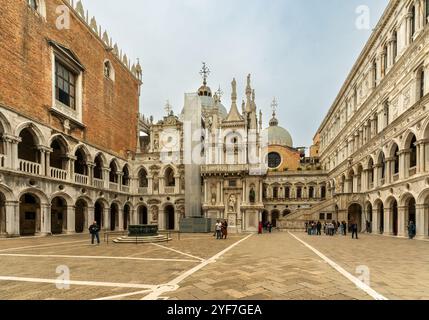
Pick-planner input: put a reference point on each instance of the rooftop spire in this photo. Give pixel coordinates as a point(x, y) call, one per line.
point(205, 72)
point(274, 121)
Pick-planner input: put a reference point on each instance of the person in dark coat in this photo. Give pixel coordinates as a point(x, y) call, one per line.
point(345, 228)
point(319, 228)
point(354, 230)
point(224, 229)
point(94, 230)
point(411, 230)
point(270, 227)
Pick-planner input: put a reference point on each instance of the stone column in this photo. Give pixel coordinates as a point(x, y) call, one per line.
point(71, 221)
point(106, 219)
point(401, 221)
point(150, 185)
point(12, 218)
point(177, 184)
point(121, 219)
point(388, 174)
point(91, 166)
point(421, 150)
point(106, 179)
point(375, 222)
point(402, 172)
point(422, 221)
point(388, 224)
point(120, 175)
point(45, 219)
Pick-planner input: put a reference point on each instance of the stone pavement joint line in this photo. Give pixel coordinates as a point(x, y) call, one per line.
point(173, 285)
point(361, 285)
point(78, 283)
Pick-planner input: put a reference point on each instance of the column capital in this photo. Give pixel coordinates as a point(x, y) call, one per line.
point(11, 138)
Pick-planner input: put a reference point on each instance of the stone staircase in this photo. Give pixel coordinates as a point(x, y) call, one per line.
point(137, 240)
point(300, 214)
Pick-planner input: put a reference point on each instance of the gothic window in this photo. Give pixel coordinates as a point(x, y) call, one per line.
point(311, 193)
point(413, 153)
point(421, 84)
point(126, 176)
point(413, 22)
point(395, 45)
point(274, 160)
point(98, 169)
point(386, 113)
point(143, 182)
point(33, 4)
point(287, 192)
point(113, 175)
point(170, 181)
point(109, 72)
point(396, 160)
point(65, 85)
point(299, 192)
point(80, 165)
point(275, 192)
point(374, 73)
point(323, 192)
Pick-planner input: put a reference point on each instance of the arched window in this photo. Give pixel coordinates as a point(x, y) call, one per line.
point(395, 45)
point(170, 181)
point(413, 152)
point(143, 182)
point(98, 169)
point(385, 61)
point(113, 174)
point(299, 192)
point(126, 176)
point(421, 83)
point(413, 23)
point(311, 192)
point(275, 192)
point(109, 72)
point(80, 166)
point(395, 157)
point(58, 154)
point(27, 148)
point(287, 192)
point(323, 192)
point(33, 4)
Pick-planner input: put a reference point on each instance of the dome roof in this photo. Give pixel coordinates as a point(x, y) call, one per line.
point(276, 135)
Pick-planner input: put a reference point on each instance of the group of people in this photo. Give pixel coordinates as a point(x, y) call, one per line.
point(221, 230)
point(331, 228)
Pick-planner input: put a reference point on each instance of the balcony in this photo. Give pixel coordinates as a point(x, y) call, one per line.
point(395, 177)
point(80, 178)
point(125, 188)
point(98, 183)
point(169, 190)
point(58, 174)
point(412, 171)
point(113, 186)
point(29, 167)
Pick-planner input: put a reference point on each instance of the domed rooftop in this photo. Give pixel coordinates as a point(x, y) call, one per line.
point(276, 135)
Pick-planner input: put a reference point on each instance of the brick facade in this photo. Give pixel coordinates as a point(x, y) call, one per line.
point(109, 108)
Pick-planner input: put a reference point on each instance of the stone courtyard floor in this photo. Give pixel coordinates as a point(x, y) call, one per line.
point(281, 265)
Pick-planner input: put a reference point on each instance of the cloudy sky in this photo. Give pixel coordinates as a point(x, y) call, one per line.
point(297, 51)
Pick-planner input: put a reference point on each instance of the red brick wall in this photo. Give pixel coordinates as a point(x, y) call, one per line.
point(109, 108)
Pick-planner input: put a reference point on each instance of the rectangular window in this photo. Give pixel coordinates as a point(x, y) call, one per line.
point(322, 216)
point(65, 85)
point(329, 216)
point(299, 193)
point(233, 183)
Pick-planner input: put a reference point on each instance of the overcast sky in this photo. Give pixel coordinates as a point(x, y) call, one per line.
point(297, 51)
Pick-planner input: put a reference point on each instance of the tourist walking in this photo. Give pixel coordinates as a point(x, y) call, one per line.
point(270, 227)
point(224, 229)
point(344, 228)
point(411, 230)
point(354, 230)
point(218, 230)
point(94, 230)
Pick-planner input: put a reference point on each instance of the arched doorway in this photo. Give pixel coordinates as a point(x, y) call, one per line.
point(127, 211)
point(2, 215)
point(275, 216)
point(29, 215)
point(170, 222)
point(81, 215)
point(114, 215)
point(99, 213)
point(355, 215)
point(381, 216)
point(143, 217)
point(58, 215)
